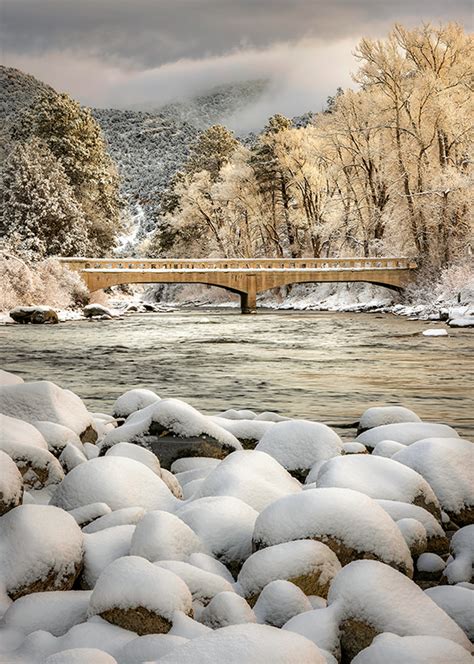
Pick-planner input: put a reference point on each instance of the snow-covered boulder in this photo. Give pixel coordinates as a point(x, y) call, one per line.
point(414, 534)
point(392, 649)
point(460, 567)
point(233, 414)
point(46, 402)
point(380, 415)
point(354, 448)
point(57, 436)
point(227, 608)
point(138, 453)
point(38, 466)
point(225, 525)
point(465, 321)
point(253, 476)
point(96, 310)
point(87, 513)
point(320, 626)
point(41, 548)
point(54, 612)
point(405, 433)
point(380, 478)
point(172, 483)
point(18, 431)
point(210, 564)
point(203, 585)
point(387, 448)
point(447, 464)
point(102, 548)
point(270, 416)
point(250, 643)
point(139, 596)
point(81, 656)
point(7, 378)
point(184, 464)
point(363, 596)
point(247, 431)
point(37, 315)
point(299, 444)
point(279, 601)
point(437, 542)
point(123, 517)
point(11, 484)
point(309, 565)
point(173, 429)
point(429, 570)
point(458, 603)
point(133, 400)
point(435, 332)
point(352, 524)
point(148, 648)
point(70, 457)
point(164, 536)
point(117, 481)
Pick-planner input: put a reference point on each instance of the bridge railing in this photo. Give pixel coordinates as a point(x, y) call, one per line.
point(103, 264)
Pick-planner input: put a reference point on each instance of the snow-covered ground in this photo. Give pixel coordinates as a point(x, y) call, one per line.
point(150, 535)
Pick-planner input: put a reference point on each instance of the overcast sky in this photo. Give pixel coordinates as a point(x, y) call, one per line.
point(125, 53)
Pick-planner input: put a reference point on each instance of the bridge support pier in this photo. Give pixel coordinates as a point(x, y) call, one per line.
point(248, 300)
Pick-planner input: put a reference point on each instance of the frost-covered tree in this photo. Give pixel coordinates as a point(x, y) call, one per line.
point(38, 209)
point(211, 151)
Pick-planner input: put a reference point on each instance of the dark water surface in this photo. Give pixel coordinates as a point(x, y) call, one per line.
point(324, 366)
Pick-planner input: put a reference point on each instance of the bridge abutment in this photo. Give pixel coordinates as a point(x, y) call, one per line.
point(248, 300)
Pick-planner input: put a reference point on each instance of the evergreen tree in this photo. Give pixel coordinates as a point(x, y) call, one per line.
point(211, 151)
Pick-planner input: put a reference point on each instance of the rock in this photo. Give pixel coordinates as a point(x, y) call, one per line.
point(88, 513)
point(280, 601)
point(429, 570)
point(202, 585)
point(38, 466)
point(41, 548)
point(437, 541)
point(7, 378)
point(57, 436)
point(36, 315)
point(461, 563)
point(139, 596)
point(148, 648)
point(164, 536)
point(467, 321)
point(309, 565)
point(81, 656)
point(11, 484)
point(391, 648)
point(172, 483)
point(414, 534)
point(97, 310)
point(138, 453)
point(132, 400)
point(101, 549)
point(380, 415)
point(458, 603)
point(122, 517)
point(227, 608)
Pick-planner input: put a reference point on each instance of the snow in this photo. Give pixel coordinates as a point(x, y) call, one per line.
point(232, 414)
point(354, 448)
point(133, 400)
point(194, 474)
point(406, 433)
point(35, 542)
point(298, 444)
point(193, 463)
point(387, 448)
point(244, 429)
point(210, 564)
point(117, 481)
point(458, 604)
point(380, 415)
point(44, 401)
point(131, 451)
point(365, 590)
point(186, 627)
point(81, 656)
point(251, 475)
point(466, 321)
point(102, 548)
point(414, 534)
point(70, 457)
point(346, 515)
point(430, 563)
point(435, 332)
point(320, 626)
point(55, 611)
point(394, 649)
point(11, 483)
point(90, 450)
point(57, 436)
point(133, 582)
point(462, 548)
point(18, 432)
point(88, 513)
point(377, 477)
point(249, 643)
point(279, 601)
point(224, 524)
point(161, 535)
point(148, 648)
point(203, 585)
point(227, 608)
point(447, 464)
point(123, 517)
point(269, 416)
point(402, 510)
point(7, 378)
point(289, 560)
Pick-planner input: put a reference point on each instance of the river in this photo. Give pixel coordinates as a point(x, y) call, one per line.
point(328, 367)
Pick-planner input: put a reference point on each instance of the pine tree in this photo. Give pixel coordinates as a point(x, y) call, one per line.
point(38, 210)
point(211, 151)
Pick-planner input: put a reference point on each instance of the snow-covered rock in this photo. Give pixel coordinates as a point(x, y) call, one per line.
point(227, 608)
point(380, 478)
point(7, 378)
point(37, 314)
point(70, 457)
point(41, 548)
point(379, 415)
point(20, 432)
point(148, 648)
point(387, 448)
point(123, 517)
point(414, 534)
point(210, 564)
point(172, 483)
point(54, 612)
point(138, 453)
point(253, 476)
point(299, 444)
point(279, 601)
point(11, 484)
point(309, 565)
point(81, 656)
point(133, 400)
point(352, 524)
point(139, 596)
point(437, 541)
point(57, 436)
point(46, 402)
point(225, 525)
point(320, 626)
point(250, 643)
point(102, 548)
point(406, 433)
point(96, 310)
point(458, 603)
point(233, 414)
point(247, 431)
point(460, 567)
point(394, 649)
point(116, 481)
point(184, 464)
point(363, 593)
point(164, 536)
point(447, 464)
point(435, 332)
point(354, 448)
point(88, 513)
point(466, 321)
point(430, 563)
point(203, 585)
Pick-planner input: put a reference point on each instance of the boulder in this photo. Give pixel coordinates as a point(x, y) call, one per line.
point(412, 650)
point(132, 400)
point(11, 484)
point(227, 608)
point(97, 310)
point(162, 535)
point(36, 315)
point(379, 415)
point(280, 601)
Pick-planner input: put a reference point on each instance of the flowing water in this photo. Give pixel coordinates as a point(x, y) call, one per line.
point(323, 366)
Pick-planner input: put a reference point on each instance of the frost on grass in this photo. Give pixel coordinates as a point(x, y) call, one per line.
point(350, 523)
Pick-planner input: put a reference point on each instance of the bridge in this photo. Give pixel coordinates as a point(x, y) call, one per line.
point(244, 276)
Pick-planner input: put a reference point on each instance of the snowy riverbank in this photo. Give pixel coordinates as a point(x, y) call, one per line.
point(169, 535)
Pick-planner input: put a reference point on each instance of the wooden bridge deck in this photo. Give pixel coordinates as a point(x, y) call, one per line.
point(247, 277)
